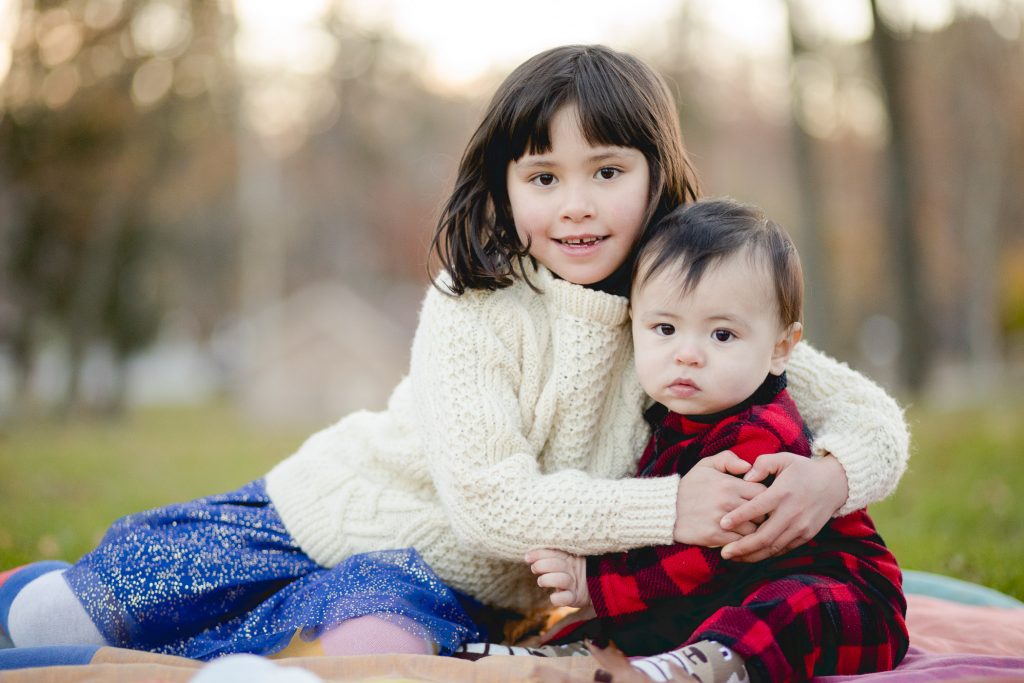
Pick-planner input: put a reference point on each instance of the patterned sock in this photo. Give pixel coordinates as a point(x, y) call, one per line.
point(479, 650)
point(706, 660)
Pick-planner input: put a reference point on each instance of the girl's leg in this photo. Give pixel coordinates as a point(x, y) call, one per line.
point(160, 578)
point(380, 602)
point(221, 575)
point(44, 611)
point(377, 634)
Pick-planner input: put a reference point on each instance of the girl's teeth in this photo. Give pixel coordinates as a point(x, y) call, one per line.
point(587, 240)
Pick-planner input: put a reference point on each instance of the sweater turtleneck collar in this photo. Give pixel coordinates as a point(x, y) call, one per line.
point(616, 284)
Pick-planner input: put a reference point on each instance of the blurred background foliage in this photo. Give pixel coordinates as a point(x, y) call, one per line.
point(228, 205)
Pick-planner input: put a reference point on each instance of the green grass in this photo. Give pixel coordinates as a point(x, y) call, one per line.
point(62, 484)
point(959, 509)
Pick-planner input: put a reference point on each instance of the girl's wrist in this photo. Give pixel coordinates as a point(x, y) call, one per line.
point(837, 479)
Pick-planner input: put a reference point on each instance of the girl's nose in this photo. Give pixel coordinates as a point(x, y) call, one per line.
point(578, 203)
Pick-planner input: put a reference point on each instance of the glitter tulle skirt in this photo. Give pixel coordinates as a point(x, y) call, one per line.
point(221, 575)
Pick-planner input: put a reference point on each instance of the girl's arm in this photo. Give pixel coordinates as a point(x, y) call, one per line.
point(634, 581)
point(467, 377)
point(854, 420)
point(863, 444)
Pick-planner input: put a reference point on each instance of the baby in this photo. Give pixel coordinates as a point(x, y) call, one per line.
point(716, 310)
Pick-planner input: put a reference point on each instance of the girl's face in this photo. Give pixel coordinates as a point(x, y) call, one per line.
point(581, 207)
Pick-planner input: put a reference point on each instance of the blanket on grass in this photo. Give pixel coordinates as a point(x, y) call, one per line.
point(950, 641)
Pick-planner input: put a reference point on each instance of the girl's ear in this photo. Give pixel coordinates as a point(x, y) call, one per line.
point(784, 345)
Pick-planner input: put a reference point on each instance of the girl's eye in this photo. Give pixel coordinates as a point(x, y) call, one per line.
point(607, 173)
point(723, 335)
point(543, 179)
point(664, 330)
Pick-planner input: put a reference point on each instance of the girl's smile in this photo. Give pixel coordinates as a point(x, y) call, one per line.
point(580, 207)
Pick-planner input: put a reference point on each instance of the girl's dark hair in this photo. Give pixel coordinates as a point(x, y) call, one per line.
point(621, 102)
point(693, 238)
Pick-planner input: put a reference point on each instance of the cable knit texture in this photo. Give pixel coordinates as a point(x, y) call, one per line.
point(853, 419)
point(514, 428)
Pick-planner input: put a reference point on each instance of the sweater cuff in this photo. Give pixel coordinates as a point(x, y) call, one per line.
point(651, 517)
point(863, 476)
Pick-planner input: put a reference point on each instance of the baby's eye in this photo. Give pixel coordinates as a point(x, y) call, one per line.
point(723, 335)
point(664, 330)
point(543, 179)
point(608, 172)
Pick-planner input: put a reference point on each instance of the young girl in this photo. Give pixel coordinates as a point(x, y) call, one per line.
point(514, 428)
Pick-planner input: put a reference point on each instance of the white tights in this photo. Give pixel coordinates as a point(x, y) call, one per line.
point(46, 612)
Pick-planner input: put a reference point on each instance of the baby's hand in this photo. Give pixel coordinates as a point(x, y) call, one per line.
point(566, 573)
point(707, 493)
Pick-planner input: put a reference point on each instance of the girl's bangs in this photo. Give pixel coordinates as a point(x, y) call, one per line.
point(607, 118)
point(530, 132)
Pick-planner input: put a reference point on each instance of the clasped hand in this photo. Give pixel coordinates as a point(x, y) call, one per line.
point(749, 521)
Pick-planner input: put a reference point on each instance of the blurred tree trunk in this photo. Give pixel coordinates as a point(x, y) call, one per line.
point(96, 179)
point(982, 149)
point(818, 305)
point(94, 278)
point(914, 324)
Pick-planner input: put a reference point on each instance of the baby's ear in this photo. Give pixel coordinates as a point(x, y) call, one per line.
point(788, 339)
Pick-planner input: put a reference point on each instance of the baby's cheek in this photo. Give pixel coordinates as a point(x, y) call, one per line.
point(646, 370)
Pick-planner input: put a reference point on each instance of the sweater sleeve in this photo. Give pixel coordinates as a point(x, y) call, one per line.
point(466, 373)
point(855, 420)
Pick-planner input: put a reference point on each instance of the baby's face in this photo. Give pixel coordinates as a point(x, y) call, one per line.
point(709, 349)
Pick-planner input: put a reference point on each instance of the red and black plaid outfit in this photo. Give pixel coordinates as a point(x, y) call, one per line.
point(832, 606)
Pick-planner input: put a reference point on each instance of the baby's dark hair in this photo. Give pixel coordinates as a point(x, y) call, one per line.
point(696, 237)
point(621, 102)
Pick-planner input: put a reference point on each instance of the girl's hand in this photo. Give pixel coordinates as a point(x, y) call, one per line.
point(706, 493)
point(804, 496)
point(566, 573)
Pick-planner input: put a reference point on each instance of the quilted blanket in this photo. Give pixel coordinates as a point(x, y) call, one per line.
point(950, 641)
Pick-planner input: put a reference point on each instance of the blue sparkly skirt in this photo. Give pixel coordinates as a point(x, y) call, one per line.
point(221, 575)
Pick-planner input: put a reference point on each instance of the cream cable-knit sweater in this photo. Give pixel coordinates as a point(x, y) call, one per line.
point(514, 428)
